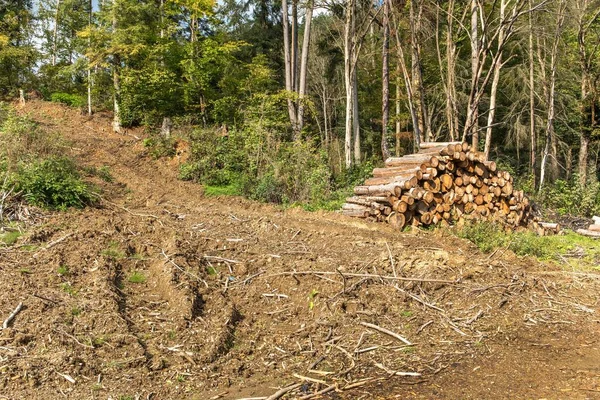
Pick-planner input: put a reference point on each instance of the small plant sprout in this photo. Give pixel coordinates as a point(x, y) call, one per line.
point(137, 277)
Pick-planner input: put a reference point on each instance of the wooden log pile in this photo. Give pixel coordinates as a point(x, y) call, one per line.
point(593, 230)
point(444, 183)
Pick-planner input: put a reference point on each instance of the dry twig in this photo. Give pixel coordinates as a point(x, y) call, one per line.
point(12, 315)
point(387, 332)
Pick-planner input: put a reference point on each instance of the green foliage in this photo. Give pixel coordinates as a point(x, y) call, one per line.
point(488, 237)
point(9, 238)
point(53, 183)
point(72, 100)
point(229, 190)
point(137, 277)
point(571, 198)
point(159, 146)
point(113, 251)
point(63, 270)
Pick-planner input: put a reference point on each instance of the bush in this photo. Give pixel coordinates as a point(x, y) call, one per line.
point(569, 197)
point(53, 183)
point(72, 100)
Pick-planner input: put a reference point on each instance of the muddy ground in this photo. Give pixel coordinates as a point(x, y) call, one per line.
point(161, 293)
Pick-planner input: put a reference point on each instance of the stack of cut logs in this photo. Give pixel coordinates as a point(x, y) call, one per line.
point(593, 230)
point(445, 183)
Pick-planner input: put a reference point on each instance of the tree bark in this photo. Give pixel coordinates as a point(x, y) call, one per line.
point(385, 79)
point(532, 135)
point(304, 65)
point(355, 118)
point(116, 124)
point(89, 68)
point(288, 65)
point(348, 81)
point(408, 86)
point(495, 80)
point(417, 74)
point(55, 33)
point(473, 110)
point(551, 91)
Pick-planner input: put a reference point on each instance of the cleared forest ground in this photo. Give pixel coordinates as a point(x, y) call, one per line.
point(160, 292)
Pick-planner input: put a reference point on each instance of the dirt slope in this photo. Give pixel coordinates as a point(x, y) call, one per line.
point(161, 293)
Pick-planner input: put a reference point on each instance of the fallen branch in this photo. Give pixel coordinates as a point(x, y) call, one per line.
point(54, 243)
point(320, 392)
point(349, 274)
point(183, 269)
point(417, 298)
point(387, 332)
point(12, 315)
point(283, 391)
point(396, 373)
point(309, 379)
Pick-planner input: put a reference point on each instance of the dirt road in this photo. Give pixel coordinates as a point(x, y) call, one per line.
point(161, 293)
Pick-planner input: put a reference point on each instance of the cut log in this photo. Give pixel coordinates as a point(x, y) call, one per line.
point(429, 145)
point(397, 220)
point(594, 227)
point(588, 233)
point(596, 219)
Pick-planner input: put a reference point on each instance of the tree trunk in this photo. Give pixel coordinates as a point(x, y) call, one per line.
point(348, 81)
point(417, 77)
point(551, 92)
point(89, 68)
point(408, 85)
point(532, 134)
point(295, 46)
point(355, 119)
point(385, 79)
point(116, 125)
point(288, 65)
point(398, 109)
point(304, 65)
point(473, 109)
point(55, 34)
point(495, 80)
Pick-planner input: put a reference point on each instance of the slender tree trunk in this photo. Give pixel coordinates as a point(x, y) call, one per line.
point(116, 76)
point(385, 79)
point(295, 46)
point(304, 65)
point(348, 81)
point(473, 110)
point(89, 68)
point(532, 134)
point(495, 80)
point(408, 86)
point(55, 33)
point(398, 110)
point(355, 119)
point(551, 90)
point(417, 77)
point(288, 65)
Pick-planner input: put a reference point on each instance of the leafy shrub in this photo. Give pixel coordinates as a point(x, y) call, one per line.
point(72, 100)
point(53, 183)
point(485, 235)
point(159, 146)
point(569, 197)
point(22, 141)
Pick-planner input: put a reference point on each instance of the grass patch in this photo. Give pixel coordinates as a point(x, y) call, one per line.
point(63, 270)
point(229, 190)
point(113, 251)
point(67, 288)
point(137, 277)
point(572, 249)
point(10, 238)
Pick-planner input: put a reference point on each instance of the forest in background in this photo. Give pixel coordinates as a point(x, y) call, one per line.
point(295, 102)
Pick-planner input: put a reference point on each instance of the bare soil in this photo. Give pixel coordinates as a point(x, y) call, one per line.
point(161, 293)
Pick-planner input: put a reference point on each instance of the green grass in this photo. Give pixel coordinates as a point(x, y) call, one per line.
point(67, 288)
point(75, 311)
point(570, 248)
point(63, 270)
point(137, 277)
point(113, 251)
point(229, 190)
point(9, 238)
